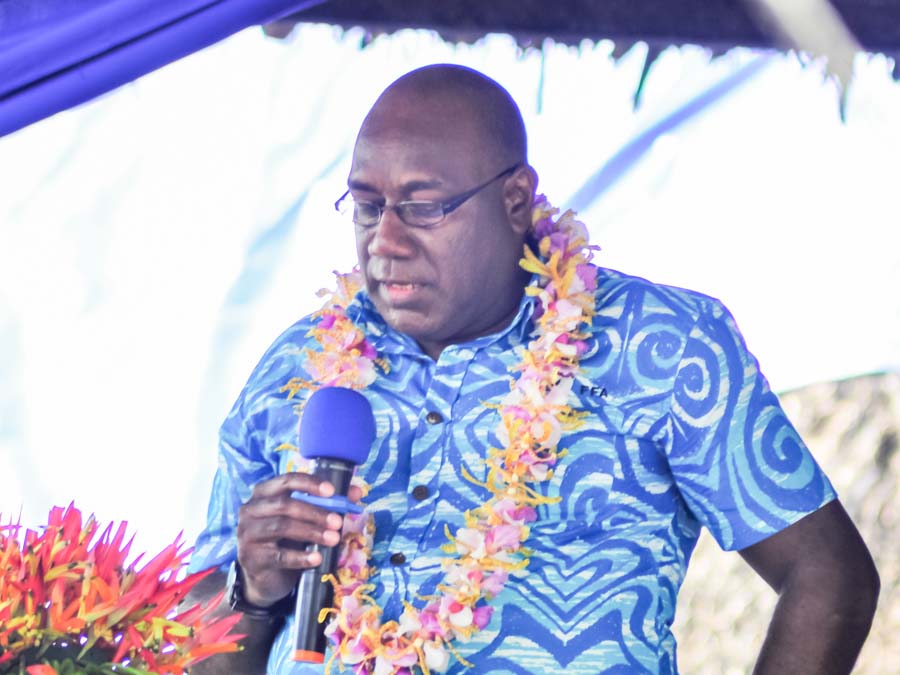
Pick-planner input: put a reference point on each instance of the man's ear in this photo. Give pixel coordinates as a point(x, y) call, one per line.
point(518, 198)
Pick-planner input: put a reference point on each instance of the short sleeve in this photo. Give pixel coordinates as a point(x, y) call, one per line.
point(241, 465)
point(737, 460)
point(245, 453)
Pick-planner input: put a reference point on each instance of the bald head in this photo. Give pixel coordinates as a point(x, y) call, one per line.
point(458, 104)
point(444, 136)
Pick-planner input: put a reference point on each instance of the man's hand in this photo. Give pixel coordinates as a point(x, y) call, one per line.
point(273, 530)
point(828, 588)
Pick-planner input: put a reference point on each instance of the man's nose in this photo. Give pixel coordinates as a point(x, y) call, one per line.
point(391, 237)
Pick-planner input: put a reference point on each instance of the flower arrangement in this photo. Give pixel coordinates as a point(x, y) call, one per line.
point(69, 604)
point(489, 548)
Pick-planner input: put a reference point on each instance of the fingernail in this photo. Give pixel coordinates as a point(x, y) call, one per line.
point(326, 489)
point(330, 537)
point(334, 521)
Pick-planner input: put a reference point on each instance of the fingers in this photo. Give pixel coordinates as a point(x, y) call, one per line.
point(270, 570)
point(288, 482)
point(274, 531)
point(278, 558)
point(268, 519)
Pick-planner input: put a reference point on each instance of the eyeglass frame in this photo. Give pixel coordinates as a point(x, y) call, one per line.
point(447, 207)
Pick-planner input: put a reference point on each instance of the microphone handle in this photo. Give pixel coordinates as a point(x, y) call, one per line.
point(312, 594)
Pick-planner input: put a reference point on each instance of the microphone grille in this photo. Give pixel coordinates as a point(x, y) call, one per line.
point(337, 423)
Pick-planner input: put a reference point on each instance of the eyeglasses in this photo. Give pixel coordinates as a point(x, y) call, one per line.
point(422, 214)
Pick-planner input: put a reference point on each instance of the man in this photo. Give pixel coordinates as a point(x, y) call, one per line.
point(679, 430)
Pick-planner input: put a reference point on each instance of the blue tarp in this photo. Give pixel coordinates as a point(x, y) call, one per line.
point(55, 54)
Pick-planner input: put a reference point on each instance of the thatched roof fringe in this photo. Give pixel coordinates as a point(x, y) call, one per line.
point(718, 25)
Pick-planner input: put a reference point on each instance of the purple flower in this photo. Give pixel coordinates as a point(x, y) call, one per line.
point(588, 276)
point(481, 616)
point(495, 583)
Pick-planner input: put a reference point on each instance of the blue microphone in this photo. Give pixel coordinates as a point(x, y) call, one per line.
point(336, 432)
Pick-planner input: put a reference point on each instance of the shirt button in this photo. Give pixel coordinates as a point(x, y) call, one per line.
point(420, 492)
point(397, 559)
point(434, 417)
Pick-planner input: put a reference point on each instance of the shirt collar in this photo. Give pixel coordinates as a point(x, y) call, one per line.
point(386, 340)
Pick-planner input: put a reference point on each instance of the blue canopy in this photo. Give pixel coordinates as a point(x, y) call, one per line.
point(55, 54)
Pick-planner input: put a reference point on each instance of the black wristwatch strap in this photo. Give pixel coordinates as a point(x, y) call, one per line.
point(239, 603)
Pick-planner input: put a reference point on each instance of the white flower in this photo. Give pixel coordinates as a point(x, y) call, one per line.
point(366, 371)
point(437, 658)
point(332, 627)
point(502, 434)
point(462, 618)
point(559, 395)
point(383, 666)
point(409, 623)
point(470, 541)
point(566, 309)
point(567, 350)
point(539, 471)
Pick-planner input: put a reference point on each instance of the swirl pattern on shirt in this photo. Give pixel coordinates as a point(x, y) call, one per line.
point(681, 431)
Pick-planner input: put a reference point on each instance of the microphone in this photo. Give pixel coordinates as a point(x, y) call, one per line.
point(336, 431)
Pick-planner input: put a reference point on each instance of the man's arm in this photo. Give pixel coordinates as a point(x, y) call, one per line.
point(272, 528)
point(828, 589)
point(251, 660)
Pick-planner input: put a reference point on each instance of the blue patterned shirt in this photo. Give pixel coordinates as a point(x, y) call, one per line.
point(682, 432)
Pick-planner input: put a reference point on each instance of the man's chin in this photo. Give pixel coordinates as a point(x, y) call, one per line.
point(409, 322)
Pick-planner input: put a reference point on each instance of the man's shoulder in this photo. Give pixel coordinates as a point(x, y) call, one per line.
point(287, 352)
point(294, 337)
point(626, 295)
point(283, 356)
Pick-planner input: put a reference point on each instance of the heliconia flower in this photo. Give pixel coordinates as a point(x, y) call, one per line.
point(70, 585)
point(41, 669)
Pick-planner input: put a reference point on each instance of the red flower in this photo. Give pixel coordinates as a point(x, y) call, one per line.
point(69, 589)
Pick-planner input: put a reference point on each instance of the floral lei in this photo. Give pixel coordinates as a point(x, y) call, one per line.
point(532, 417)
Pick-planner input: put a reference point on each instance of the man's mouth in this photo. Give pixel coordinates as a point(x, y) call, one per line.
point(398, 291)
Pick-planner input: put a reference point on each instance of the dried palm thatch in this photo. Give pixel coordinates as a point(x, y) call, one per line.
point(853, 429)
point(717, 24)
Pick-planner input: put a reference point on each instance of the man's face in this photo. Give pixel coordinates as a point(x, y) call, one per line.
point(455, 281)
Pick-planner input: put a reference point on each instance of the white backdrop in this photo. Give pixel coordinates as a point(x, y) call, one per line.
point(153, 242)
